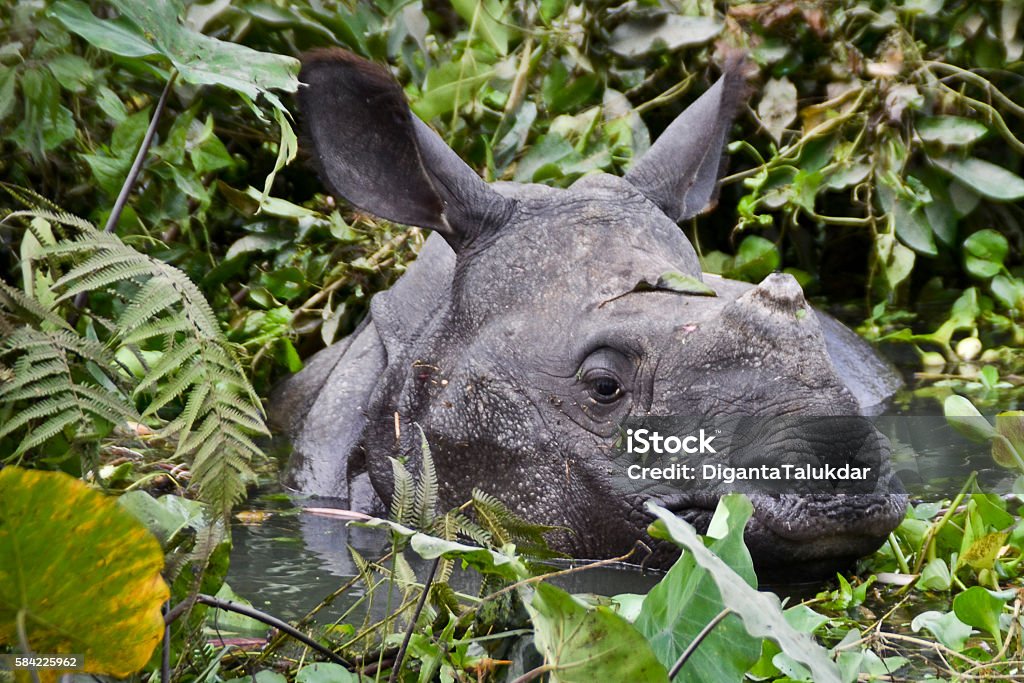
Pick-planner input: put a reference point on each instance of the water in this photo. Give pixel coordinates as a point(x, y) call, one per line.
point(286, 562)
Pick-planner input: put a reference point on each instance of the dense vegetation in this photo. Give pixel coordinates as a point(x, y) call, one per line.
point(146, 308)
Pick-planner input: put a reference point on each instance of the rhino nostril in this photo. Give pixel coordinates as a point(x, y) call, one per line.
point(778, 292)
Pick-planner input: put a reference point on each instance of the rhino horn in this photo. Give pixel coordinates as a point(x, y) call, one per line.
point(680, 172)
point(375, 153)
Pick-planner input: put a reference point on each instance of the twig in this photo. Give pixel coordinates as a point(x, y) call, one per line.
point(571, 570)
point(271, 621)
point(412, 621)
point(534, 673)
point(697, 640)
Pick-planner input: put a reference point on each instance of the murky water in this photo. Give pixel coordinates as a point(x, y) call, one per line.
point(286, 561)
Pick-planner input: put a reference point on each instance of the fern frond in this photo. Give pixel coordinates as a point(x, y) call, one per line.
point(28, 309)
point(402, 498)
point(426, 486)
point(156, 296)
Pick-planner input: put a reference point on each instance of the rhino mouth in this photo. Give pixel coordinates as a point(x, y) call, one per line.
point(793, 537)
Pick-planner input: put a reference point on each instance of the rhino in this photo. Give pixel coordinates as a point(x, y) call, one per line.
point(536, 320)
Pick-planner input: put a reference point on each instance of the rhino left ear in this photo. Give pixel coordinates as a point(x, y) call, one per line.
point(679, 173)
point(375, 153)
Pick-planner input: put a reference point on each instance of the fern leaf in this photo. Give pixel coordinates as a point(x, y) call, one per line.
point(426, 487)
point(403, 498)
point(46, 431)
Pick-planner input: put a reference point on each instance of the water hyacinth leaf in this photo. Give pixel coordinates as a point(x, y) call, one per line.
point(325, 672)
point(1008, 290)
point(983, 552)
point(688, 598)
point(756, 258)
point(1009, 450)
point(984, 253)
point(935, 575)
point(977, 607)
point(985, 178)
point(964, 417)
point(583, 644)
point(95, 586)
point(897, 260)
point(955, 131)
point(946, 628)
point(777, 108)
point(644, 35)
point(761, 612)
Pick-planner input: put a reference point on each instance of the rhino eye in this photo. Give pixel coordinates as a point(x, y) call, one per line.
point(605, 388)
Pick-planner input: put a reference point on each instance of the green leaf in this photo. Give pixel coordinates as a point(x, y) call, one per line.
point(977, 607)
point(761, 613)
point(985, 178)
point(675, 281)
point(641, 36)
point(200, 59)
point(955, 131)
point(8, 79)
point(585, 644)
point(487, 20)
point(964, 417)
point(71, 71)
point(946, 628)
point(450, 85)
point(165, 517)
point(83, 573)
point(325, 672)
point(982, 553)
point(118, 36)
point(1008, 290)
point(687, 599)
point(756, 259)
point(935, 575)
point(984, 253)
point(508, 566)
point(1010, 426)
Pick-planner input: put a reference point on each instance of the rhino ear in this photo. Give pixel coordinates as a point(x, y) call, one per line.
point(679, 173)
point(376, 154)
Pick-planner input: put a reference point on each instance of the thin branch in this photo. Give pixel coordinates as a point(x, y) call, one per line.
point(412, 621)
point(271, 621)
point(697, 640)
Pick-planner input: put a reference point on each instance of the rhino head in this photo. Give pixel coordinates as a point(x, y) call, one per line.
point(537, 320)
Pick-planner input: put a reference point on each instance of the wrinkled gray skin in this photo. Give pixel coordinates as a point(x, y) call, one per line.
point(519, 343)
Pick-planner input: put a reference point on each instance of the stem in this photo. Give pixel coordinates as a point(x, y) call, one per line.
point(933, 531)
point(412, 621)
point(140, 156)
point(898, 553)
point(133, 173)
point(695, 643)
point(534, 673)
point(270, 621)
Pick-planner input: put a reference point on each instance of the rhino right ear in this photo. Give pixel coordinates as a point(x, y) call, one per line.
point(376, 154)
point(679, 173)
